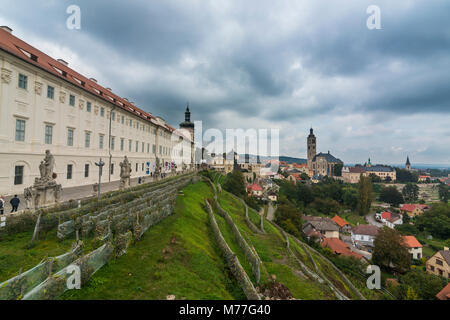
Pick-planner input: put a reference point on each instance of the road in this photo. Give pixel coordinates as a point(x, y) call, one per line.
point(370, 218)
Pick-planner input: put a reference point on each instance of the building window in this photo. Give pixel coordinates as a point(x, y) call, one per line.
point(100, 141)
point(87, 140)
point(123, 119)
point(88, 106)
point(131, 123)
point(48, 134)
point(70, 137)
point(148, 147)
point(439, 262)
point(18, 175)
point(154, 149)
point(143, 147)
point(137, 167)
point(129, 145)
point(102, 112)
point(142, 166)
point(122, 142)
point(50, 92)
point(23, 81)
point(20, 130)
point(160, 149)
point(113, 142)
point(86, 170)
point(112, 168)
point(72, 100)
point(137, 146)
point(69, 171)
point(113, 116)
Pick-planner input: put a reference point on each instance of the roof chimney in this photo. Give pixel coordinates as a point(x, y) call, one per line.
point(109, 89)
point(63, 62)
point(6, 28)
point(92, 79)
point(445, 248)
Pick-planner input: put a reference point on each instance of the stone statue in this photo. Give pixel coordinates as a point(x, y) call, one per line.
point(49, 162)
point(125, 173)
point(28, 195)
point(45, 191)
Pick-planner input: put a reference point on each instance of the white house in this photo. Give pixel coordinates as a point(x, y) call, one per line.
point(364, 235)
point(390, 219)
point(414, 247)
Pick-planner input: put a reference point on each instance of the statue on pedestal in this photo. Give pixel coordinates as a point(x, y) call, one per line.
point(125, 173)
point(157, 169)
point(45, 190)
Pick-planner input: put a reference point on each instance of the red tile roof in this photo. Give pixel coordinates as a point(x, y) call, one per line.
point(31, 55)
point(411, 207)
point(444, 294)
point(339, 221)
point(339, 247)
point(365, 229)
point(254, 187)
point(386, 215)
point(411, 242)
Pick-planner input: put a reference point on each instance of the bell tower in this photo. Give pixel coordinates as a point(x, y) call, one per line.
point(311, 143)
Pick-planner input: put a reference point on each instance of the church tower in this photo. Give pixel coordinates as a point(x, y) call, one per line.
point(311, 142)
point(187, 124)
point(408, 164)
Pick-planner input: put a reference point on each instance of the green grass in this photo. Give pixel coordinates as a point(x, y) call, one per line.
point(271, 248)
point(15, 254)
point(189, 267)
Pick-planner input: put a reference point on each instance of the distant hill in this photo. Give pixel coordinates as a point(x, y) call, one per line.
point(293, 160)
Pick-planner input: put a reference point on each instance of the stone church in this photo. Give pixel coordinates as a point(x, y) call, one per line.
point(320, 164)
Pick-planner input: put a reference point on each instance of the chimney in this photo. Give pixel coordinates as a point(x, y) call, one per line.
point(63, 62)
point(445, 248)
point(92, 79)
point(6, 28)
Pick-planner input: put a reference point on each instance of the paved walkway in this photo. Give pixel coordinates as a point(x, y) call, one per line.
point(76, 193)
point(270, 212)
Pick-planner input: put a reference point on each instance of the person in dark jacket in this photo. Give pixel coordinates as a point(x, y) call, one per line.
point(2, 205)
point(14, 203)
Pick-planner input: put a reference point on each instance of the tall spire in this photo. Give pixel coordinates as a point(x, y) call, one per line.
point(407, 161)
point(187, 114)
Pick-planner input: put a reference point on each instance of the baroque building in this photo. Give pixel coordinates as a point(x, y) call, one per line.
point(46, 105)
point(321, 164)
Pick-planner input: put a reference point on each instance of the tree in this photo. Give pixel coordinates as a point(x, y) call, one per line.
point(404, 176)
point(444, 193)
point(235, 183)
point(389, 250)
point(289, 218)
point(435, 221)
point(350, 197)
point(391, 195)
point(338, 169)
point(425, 285)
point(411, 192)
point(388, 179)
point(365, 195)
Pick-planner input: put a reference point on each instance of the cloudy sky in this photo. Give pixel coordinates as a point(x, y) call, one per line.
point(280, 64)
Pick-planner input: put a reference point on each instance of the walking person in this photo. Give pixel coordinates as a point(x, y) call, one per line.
point(15, 203)
point(2, 205)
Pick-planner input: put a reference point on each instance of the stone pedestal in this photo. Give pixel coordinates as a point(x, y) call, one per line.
point(45, 193)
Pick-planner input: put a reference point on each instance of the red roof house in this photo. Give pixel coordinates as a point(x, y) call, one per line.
point(341, 223)
point(444, 294)
point(339, 247)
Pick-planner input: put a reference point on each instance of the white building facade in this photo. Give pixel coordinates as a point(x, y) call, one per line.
point(46, 105)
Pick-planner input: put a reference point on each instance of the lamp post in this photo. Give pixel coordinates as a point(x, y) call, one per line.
point(100, 165)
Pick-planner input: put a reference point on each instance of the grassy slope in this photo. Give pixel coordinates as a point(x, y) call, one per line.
point(190, 268)
point(14, 254)
point(271, 249)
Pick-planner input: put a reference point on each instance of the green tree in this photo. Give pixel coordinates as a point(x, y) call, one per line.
point(444, 193)
point(391, 195)
point(411, 192)
point(411, 294)
point(374, 177)
point(235, 183)
point(425, 285)
point(338, 169)
point(435, 221)
point(389, 250)
point(289, 218)
point(365, 195)
point(350, 197)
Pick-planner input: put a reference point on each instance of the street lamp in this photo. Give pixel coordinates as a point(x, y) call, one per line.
point(100, 165)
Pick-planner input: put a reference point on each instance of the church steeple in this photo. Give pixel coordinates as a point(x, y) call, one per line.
point(408, 164)
point(187, 114)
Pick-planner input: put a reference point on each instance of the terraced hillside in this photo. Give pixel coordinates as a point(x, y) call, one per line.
point(181, 257)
